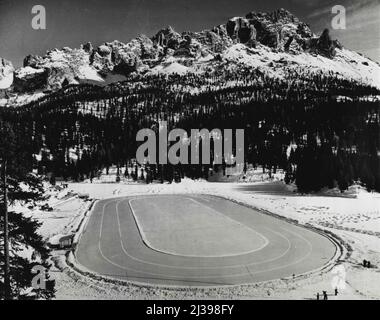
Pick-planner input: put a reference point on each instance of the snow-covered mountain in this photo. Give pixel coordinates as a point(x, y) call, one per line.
point(277, 44)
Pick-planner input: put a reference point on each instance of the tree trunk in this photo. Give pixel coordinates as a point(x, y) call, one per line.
point(7, 284)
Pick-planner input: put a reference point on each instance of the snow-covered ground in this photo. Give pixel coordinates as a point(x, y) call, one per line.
point(353, 216)
point(21, 99)
point(65, 214)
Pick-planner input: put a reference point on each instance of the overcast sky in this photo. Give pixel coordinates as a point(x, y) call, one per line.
point(72, 22)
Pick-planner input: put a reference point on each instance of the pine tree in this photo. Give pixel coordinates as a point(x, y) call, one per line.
point(17, 231)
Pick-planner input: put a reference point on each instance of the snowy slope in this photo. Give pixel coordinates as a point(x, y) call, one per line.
point(347, 64)
point(6, 81)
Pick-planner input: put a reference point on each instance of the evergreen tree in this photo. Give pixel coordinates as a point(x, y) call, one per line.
point(17, 231)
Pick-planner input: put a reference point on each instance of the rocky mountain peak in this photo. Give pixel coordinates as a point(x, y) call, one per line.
point(284, 16)
point(278, 28)
point(167, 37)
point(87, 47)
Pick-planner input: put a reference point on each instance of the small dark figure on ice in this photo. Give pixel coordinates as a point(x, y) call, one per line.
point(366, 264)
point(325, 295)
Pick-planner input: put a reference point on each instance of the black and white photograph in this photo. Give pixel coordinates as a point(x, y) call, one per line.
point(177, 150)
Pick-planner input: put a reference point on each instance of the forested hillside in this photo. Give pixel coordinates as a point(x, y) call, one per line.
point(321, 129)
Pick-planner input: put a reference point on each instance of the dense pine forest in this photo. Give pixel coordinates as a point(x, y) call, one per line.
point(321, 129)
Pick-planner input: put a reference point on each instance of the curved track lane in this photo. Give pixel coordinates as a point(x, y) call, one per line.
point(112, 245)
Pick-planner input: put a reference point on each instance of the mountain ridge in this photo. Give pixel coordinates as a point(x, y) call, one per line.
point(276, 43)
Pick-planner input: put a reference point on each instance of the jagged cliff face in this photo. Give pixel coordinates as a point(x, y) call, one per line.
point(6, 73)
point(276, 43)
